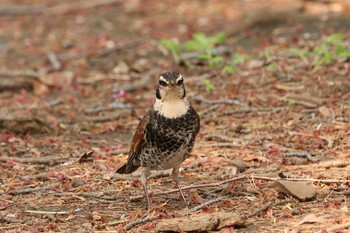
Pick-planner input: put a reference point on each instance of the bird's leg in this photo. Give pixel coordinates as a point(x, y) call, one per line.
point(175, 174)
point(145, 173)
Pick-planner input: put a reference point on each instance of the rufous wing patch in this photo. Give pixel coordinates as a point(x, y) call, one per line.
point(138, 139)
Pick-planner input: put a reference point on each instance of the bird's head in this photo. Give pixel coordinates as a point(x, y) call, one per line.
point(171, 87)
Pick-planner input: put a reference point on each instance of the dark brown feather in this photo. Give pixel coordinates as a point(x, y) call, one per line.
point(136, 144)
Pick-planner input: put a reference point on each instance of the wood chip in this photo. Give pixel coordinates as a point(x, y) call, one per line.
point(300, 190)
point(202, 222)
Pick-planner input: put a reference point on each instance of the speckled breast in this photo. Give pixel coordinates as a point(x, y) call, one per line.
point(169, 140)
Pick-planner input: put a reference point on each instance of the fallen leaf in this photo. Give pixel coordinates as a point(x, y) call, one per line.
point(86, 157)
point(253, 64)
point(300, 190)
point(326, 112)
point(58, 79)
point(311, 218)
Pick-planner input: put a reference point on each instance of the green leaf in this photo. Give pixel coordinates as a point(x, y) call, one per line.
point(218, 59)
point(239, 58)
point(229, 69)
point(218, 38)
point(334, 37)
point(192, 45)
point(174, 48)
point(272, 66)
point(209, 86)
point(204, 56)
point(171, 45)
point(200, 37)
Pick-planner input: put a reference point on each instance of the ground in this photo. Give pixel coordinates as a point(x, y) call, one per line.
point(75, 79)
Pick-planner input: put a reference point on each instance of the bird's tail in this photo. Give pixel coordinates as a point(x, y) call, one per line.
point(127, 169)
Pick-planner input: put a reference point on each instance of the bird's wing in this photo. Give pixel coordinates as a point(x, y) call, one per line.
point(138, 140)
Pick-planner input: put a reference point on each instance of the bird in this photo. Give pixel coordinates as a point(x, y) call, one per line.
point(166, 134)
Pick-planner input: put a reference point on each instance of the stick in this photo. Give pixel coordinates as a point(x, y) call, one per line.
point(31, 190)
point(329, 141)
point(258, 211)
point(221, 137)
point(323, 164)
point(97, 195)
point(222, 101)
point(27, 73)
point(132, 198)
point(10, 220)
point(194, 209)
point(21, 10)
point(125, 45)
point(77, 5)
point(139, 221)
point(50, 160)
point(45, 212)
point(54, 61)
point(302, 154)
point(116, 116)
point(221, 144)
point(190, 187)
point(336, 227)
point(212, 201)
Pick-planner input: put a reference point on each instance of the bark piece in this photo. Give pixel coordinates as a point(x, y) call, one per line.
point(300, 190)
point(22, 122)
point(198, 223)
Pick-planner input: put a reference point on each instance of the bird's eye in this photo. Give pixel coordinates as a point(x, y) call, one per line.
point(179, 82)
point(163, 83)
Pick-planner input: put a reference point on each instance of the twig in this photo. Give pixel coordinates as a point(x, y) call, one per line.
point(126, 45)
point(41, 176)
point(258, 211)
point(302, 154)
point(63, 8)
point(221, 137)
point(208, 110)
point(10, 220)
point(49, 160)
point(140, 221)
point(111, 106)
point(97, 195)
point(336, 227)
point(140, 84)
point(45, 212)
point(194, 209)
point(54, 61)
point(21, 10)
point(257, 111)
point(220, 50)
point(220, 144)
point(31, 190)
point(323, 164)
point(77, 5)
point(222, 101)
point(116, 116)
point(218, 184)
point(212, 201)
point(329, 141)
point(27, 73)
point(190, 187)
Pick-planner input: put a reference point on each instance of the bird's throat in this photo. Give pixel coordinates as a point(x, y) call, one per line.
point(171, 108)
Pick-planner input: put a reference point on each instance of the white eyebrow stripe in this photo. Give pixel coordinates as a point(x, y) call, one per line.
point(163, 79)
point(179, 78)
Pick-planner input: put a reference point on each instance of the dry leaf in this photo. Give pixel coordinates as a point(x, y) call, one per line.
point(311, 218)
point(300, 190)
point(326, 112)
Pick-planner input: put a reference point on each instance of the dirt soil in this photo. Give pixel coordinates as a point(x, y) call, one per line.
point(75, 79)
